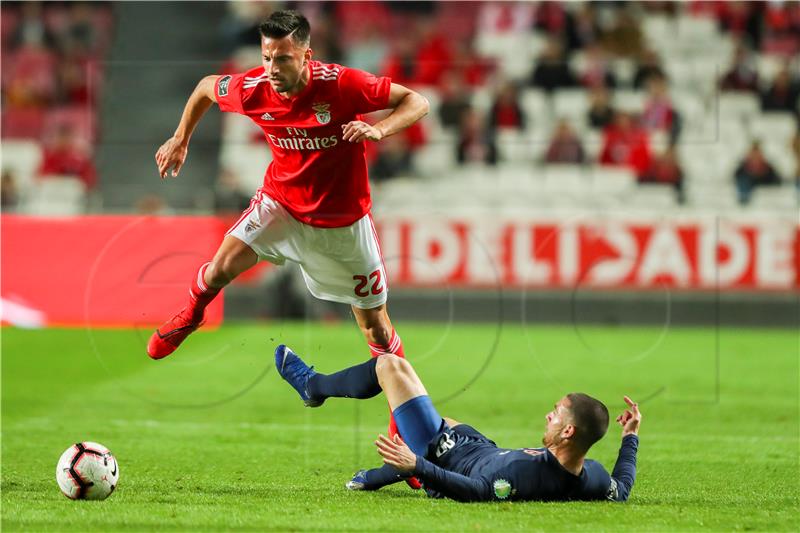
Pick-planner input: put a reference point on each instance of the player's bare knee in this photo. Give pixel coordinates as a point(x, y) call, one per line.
point(390, 366)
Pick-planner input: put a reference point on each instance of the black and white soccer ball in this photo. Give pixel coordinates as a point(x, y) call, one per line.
point(87, 471)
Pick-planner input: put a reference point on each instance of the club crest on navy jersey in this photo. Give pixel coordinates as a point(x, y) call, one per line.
point(322, 112)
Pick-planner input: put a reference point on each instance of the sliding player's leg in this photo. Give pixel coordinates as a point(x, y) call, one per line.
point(417, 419)
point(408, 400)
point(232, 258)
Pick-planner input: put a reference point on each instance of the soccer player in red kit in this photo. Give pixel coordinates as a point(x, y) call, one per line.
point(314, 205)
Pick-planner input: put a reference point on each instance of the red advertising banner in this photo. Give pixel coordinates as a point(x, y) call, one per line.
point(102, 270)
point(135, 271)
point(593, 252)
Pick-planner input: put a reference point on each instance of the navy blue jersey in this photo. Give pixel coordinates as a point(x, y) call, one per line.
point(464, 465)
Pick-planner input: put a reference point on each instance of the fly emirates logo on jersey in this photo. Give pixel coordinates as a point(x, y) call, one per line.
point(299, 139)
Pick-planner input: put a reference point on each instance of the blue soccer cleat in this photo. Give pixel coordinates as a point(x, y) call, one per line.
point(359, 481)
point(296, 373)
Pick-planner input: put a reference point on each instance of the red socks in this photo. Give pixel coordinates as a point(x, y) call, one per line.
point(200, 295)
point(395, 346)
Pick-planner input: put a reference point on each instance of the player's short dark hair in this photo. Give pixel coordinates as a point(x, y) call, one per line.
point(287, 22)
point(590, 417)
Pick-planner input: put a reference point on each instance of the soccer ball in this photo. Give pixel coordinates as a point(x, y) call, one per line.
point(87, 471)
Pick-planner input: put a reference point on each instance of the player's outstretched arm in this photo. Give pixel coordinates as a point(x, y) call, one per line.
point(624, 474)
point(408, 107)
point(172, 154)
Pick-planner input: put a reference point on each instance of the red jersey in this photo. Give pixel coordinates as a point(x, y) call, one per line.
point(318, 177)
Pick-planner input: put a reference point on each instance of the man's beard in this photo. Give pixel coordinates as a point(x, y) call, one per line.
point(551, 439)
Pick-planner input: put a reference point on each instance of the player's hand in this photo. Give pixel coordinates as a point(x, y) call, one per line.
point(396, 453)
point(630, 418)
point(356, 131)
point(171, 155)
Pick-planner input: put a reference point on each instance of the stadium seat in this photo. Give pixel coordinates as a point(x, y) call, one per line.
point(652, 197)
point(784, 198)
point(80, 120)
point(482, 99)
point(570, 103)
point(247, 161)
point(534, 104)
point(696, 32)
point(624, 71)
point(23, 123)
point(779, 153)
point(659, 30)
point(592, 143)
point(629, 100)
point(514, 146)
point(737, 104)
point(436, 157)
point(608, 180)
point(57, 196)
point(712, 196)
point(569, 179)
point(23, 159)
point(768, 66)
point(775, 126)
point(515, 52)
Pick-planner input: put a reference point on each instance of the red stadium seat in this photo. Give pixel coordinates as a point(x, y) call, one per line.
point(9, 18)
point(80, 119)
point(23, 123)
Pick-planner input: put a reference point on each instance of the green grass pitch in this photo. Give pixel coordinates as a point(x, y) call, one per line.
point(211, 439)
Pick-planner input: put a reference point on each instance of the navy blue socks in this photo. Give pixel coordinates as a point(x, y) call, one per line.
point(360, 382)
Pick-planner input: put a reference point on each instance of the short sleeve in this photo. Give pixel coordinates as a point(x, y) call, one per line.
point(367, 92)
point(228, 91)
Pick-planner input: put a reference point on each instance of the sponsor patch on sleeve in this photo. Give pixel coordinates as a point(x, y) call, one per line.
point(613, 490)
point(222, 86)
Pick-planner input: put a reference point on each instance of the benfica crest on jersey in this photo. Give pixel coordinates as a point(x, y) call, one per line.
point(321, 112)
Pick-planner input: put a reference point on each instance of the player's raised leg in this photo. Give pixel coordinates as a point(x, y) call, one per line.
point(232, 258)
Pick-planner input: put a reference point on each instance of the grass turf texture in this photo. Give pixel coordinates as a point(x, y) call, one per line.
point(212, 439)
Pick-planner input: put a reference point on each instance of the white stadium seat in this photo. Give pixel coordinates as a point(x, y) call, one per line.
point(23, 159)
point(652, 197)
point(436, 157)
point(737, 104)
point(628, 100)
point(57, 196)
point(571, 103)
point(774, 127)
point(568, 179)
point(608, 180)
point(514, 146)
point(247, 161)
point(784, 198)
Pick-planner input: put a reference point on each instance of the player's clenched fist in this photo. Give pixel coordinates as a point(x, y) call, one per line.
point(630, 418)
point(171, 155)
point(357, 131)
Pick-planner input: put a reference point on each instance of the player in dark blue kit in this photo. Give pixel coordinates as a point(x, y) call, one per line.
point(454, 460)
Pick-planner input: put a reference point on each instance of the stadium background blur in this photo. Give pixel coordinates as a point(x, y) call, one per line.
point(552, 113)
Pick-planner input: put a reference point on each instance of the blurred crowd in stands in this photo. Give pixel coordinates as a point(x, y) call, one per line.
point(536, 83)
point(434, 47)
point(51, 78)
